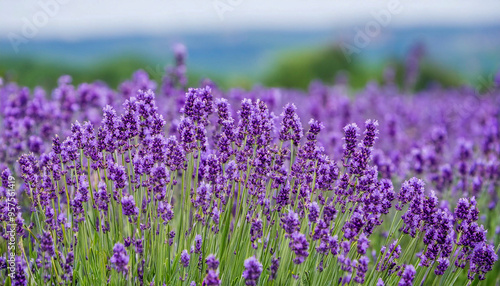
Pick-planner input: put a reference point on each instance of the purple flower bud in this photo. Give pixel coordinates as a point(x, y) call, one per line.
point(128, 206)
point(212, 262)
point(482, 260)
point(275, 263)
point(413, 188)
point(315, 128)
point(252, 271)
point(102, 197)
point(197, 244)
point(185, 258)
point(443, 264)
point(363, 244)
point(313, 212)
point(408, 276)
point(299, 245)
point(118, 175)
point(255, 231)
point(362, 268)
point(165, 211)
point(187, 134)
point(290, 222)
point(211, 279)
point(20, 273)
point(351, 132)
point(171, 237)
point(47, 243)
point(120, 258)
point(291, 127)
point(371, 132)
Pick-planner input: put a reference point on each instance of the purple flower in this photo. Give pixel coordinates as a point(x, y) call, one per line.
point(120, 258)
point(283, 197)
point(128, 206)
point(467, 210)
point(198, 104)
point(175, 155)
point(362, 268)
point(252, 271)
point(410, 189)
point(327, 174)
point(346, 246)
point(35, 144)
point(107, 130)
point(290, 222)
point(171, 236)
point(255, 231)
point(482, 261)
point(20, 274)
point(333, 242)
point(389, 255)
point(187, 134)
point(68, 266)
point(363, 244)
point(462, 209)
point(102, 197)
point(345, 263)
point(275, 264)
point(443, 264)
point(314, 129)
point(329, 213)
point(222, 108)
point(321, 230)
point(197, 244)
point(211, 279)
point(130, 118)
point(354, 225)
point(351, 133)
point(313, 212)
point(139, 245)
point(212, 262)
point(291, 127)
point(165, 211)
point(408, 276)
point(299, 245)
point(118, 175)
point(371, 132)
point(185, 258)
point(47, 243)
point(56, 145)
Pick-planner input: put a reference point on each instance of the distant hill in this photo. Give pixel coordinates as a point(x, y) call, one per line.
point(251, 53)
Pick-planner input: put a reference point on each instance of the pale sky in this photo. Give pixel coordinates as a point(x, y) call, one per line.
point(74, 19)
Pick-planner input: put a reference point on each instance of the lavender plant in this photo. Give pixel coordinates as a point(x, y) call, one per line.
point(233, 198)
point(168, 186)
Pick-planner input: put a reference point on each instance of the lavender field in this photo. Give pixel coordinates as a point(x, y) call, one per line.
point(158, 183)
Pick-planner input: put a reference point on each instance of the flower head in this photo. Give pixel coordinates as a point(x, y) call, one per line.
point(185, 258)
point(253, 269)
point(120, 258)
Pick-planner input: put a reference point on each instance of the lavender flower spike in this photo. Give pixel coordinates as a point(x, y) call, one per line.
point(120, 258)
point(253, 269)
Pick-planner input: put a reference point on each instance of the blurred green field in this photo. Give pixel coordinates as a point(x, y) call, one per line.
point(295, 69)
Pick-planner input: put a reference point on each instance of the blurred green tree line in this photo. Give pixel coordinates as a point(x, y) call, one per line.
point(295, 69)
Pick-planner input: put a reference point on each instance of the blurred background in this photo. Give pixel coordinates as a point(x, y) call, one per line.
point(247, 42)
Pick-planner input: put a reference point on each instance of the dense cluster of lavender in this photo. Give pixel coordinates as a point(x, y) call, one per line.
point(159, 185)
